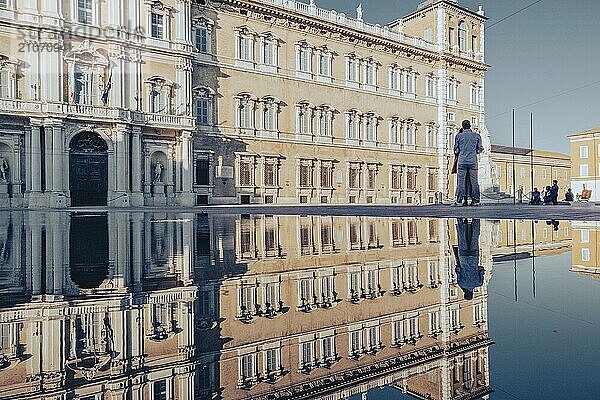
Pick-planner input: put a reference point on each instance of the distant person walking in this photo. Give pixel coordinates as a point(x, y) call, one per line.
point(467, 146)
point(554, 192)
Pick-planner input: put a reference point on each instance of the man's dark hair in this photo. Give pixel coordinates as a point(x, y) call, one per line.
point(466, 124)
point(554, 181)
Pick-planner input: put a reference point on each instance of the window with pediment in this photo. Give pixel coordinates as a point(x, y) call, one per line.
point(87, 72)
point(203, 30)
point(160, 93)
point(204, 106)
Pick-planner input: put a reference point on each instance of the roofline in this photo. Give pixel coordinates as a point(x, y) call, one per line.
point(447, 2)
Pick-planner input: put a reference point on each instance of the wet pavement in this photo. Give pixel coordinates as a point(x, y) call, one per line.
point(220, 305)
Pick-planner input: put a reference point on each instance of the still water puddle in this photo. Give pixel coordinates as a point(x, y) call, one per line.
point(190, 306)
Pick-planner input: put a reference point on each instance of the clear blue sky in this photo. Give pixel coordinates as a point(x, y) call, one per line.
point(545, 50)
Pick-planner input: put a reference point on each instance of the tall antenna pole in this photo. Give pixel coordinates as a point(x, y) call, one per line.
point(533, 257)
point(531, 149)
point(514, 176)
point(515, 258)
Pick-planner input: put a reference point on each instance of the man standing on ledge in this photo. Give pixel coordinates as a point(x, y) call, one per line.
point(467, 146)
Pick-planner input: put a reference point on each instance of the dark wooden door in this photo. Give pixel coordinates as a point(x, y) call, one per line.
point(88, 250)
point(88, 178)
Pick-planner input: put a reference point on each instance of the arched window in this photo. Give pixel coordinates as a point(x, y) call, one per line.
point(462, 36)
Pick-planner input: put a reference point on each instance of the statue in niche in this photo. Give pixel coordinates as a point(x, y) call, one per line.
point(3, 169)
point(158, 169)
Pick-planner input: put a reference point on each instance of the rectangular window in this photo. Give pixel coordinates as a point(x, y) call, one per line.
point(246, 114)
point(271, 361)
point(371, 74)
point(411, 180)
point(371, 131)
point(452, 90)
point(5, 84)
point(202, 39)
point(355, 341)
point(304, 59)
point(84, 11)
point(394, 79)
point(202, 111)
point(328, 348)
point(409, 83)
point(371, 179)
point(269, 175)
point(307, 353)
point(398, 331)
point(3, 3)
point(431, 179)
point(451, 39)
point(324, 64)
point(270, 53)
point(354, 178)
point(396, 178)
point(304, 121)
point(585, 236)
point(247, 364)
point(246, 173)
point(583, 152)
point(160, 390)
point(202, 172)
point(585, 254)
point(352, 70)
point(270, 118)
point(157, 25)
point(474, 95)
point(245, 45)
point(430, 87)
point(326, 176)
point(430, 137)
point(583, 170)
point(324, 124)
point(474, 44)
point(352, 127)
point(305, 175)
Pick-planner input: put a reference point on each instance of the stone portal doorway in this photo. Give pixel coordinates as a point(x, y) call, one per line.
point(88, 170)
point(88, 250)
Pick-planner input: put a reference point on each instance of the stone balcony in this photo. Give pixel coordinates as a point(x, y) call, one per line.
point(94, 112)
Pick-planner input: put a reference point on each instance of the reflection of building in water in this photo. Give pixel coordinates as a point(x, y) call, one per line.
point(99, 313)
point(585, 255)
point(517, 236)
point(281, 307)
point(339, 305)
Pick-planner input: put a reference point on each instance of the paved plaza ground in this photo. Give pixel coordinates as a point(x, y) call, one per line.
point(576, 211)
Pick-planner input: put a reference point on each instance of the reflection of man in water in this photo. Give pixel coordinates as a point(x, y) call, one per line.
point(469, 273)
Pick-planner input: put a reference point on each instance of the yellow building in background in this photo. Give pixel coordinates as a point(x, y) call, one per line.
point(586, 251)
point(547, 166)
point(585, 153)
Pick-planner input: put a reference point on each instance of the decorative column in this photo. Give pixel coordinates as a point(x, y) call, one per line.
point(121, 171)
point(137, 225)
point(137, 196)
point(444, 156)
point(186, 196)
point(34, 169)
point(58, 245)
point(183, 78)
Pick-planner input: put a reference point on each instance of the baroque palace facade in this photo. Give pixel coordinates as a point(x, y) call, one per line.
point(194, 306)
point(256, 101)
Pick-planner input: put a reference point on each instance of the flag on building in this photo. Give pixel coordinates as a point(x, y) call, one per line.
point(106, 91)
